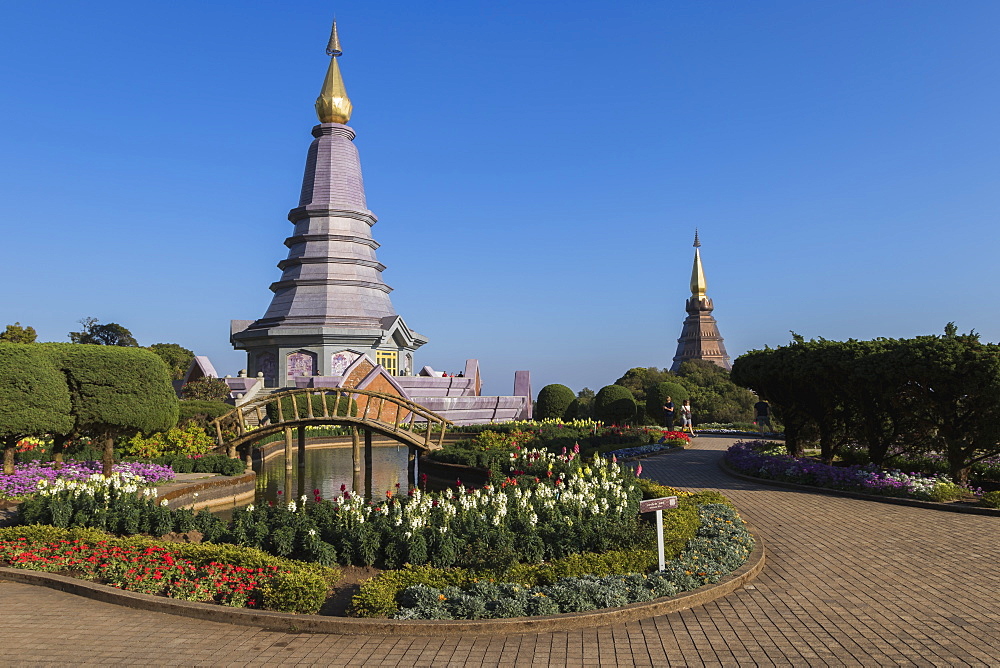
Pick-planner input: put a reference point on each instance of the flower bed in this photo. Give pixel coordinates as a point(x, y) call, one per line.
point(205, 573)
point(26, 477)
point(669, 440)
point(721, 545)
point(547, 506)
point(760, 459)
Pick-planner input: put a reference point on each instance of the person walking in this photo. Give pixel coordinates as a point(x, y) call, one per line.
point(668, 413)
point(762, 410)
point(686, 422)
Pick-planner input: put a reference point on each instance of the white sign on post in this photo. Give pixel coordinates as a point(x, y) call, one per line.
point(658, 506)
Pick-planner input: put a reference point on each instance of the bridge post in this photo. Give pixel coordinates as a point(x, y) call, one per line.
point(411, 467)
point(302, 460)
point(356, 459)
point(288, 464)
point(368, 464)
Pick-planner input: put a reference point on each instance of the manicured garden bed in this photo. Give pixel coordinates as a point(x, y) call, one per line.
point(768, 460)
point(548, 518)
point(223, 574)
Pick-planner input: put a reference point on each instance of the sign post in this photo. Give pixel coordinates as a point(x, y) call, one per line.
point(658, 506)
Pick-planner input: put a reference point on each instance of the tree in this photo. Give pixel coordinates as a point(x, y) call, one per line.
point(17, 334)
point(766, 373)
point(554, 402)
point(206, 389)
point(177, 358)
point(953, 388)
point(615, 404)
point(34, 397)
point(111, 334)
point(713, 394)
point(639, 379)
point(115, 391)
point(583, 406)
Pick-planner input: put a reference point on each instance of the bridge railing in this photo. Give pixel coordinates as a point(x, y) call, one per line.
point(386, 413)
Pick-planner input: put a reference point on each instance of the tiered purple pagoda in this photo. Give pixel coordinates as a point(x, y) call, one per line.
point(330, 306)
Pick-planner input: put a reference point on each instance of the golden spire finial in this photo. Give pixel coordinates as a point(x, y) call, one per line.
point(333, 105)
point(698, 284)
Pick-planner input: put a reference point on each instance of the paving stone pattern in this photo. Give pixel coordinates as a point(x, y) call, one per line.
point(848, 583)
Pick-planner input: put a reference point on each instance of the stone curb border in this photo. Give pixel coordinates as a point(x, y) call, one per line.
point(292, 623)
point(897, 501)
point(248, 478)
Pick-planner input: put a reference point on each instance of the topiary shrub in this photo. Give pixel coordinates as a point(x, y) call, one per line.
point(206, 389)
point(34, 397)
point(115, 391)
point(554, 402)
point(615, 403)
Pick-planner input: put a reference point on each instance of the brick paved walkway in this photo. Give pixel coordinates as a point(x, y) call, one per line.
point(848, 582)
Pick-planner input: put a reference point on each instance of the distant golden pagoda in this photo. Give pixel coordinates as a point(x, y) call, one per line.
point(700, 338)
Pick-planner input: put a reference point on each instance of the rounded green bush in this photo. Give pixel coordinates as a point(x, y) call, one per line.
point(615, 403)
point(554, 402)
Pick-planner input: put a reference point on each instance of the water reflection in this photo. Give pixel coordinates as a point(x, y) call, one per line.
point(327, 468)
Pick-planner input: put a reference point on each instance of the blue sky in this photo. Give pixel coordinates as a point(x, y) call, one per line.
point(538, 169)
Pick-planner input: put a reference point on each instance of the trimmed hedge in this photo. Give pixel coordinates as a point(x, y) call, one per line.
point(615, 403)
point(554, 402)
point(34, 397)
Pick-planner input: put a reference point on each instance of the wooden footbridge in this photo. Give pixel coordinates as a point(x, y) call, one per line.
point(365, 412)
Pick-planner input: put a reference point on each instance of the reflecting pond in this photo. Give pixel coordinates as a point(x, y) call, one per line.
point(327, 468)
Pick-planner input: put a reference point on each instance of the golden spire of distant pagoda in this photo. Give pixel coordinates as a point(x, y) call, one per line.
point(698, 284)
point(333, 105)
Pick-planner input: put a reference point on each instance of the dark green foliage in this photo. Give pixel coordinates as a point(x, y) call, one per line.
point(111, 334)
point(615, 404)
point(935, 393)
point(200, 412)
point(297, 407)
point(115, 391)
point(34, 397)
point(582, 407)
point(17, 334)
point(714, 396)
point(638, 380)
point(206, 389)
point(656, 397)
point(177, 358)
point(554, 402)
